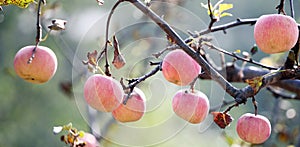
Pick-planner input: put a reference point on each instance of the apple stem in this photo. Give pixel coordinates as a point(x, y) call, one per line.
point(230, 107)
point(38, 30)
point(292, 8)
point(255, 105)
point(280, 7)
point(193, 84)
point(107, 71)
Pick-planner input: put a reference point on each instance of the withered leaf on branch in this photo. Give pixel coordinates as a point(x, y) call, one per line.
point(92, 61)
point(58, 24)
point(255, 83)
point(19, 3)
point(119, 60)
point(222, 119)
point(148, 3)
point(100, 2)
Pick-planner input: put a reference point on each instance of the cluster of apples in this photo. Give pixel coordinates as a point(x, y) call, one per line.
point(106, 94)
point(273, 33)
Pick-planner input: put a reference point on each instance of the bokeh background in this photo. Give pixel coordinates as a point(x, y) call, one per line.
point(28, 112)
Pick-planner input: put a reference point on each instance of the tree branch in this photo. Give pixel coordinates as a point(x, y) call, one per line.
point(292, 8)
point(223, 27)
point(107, 71)
point(228, 87)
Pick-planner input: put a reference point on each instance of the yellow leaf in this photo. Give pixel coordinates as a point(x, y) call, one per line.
point(224, 7)
point(81, 134)
point(255, 83)
point(19, 3)
point(225, 14)
point(237, 51)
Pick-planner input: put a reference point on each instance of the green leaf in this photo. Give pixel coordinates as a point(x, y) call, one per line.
point(224, 7)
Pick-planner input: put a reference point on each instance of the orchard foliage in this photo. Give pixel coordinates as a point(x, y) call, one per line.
point(183, 63)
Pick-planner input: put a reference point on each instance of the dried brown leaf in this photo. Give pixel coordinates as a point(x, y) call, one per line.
point(222, 119)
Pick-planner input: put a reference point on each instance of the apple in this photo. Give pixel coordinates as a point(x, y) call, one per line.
point(254, 129)
point(179, 68)
point(89, 140)
point(134, 108)
point(41, 69)
point(191, 105)
point(103, 93)
point(275, 33)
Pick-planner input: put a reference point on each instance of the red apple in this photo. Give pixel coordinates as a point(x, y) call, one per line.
point(134, 108)
point(103, 93)
point(254, 129)
point(192, 106)
point(89, 140)
point(179, 68)
point(41, 69)
point(275, 33)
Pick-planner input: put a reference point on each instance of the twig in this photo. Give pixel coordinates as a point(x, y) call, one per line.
point(292, 8)
point(280, 7)
point(255, 105)
point(107, 72)
point(39, 30)
point(230, 107)
point(211, 15)
point(223, 27)
point(134, 82)
point(225, 103)
point(249, 60)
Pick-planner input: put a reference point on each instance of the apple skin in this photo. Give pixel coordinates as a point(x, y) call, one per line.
point(275, 33)
point(103, 93)
point(134, 108)
point(41, 69)
point(179, 68)
point(89, 140)
point(192, 106)
point(253, 129)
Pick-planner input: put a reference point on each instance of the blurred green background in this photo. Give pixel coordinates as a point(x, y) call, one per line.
point(28, 111)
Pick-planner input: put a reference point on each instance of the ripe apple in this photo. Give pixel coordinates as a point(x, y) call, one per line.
point(275, 33)
point(192, 106)
point(103, 93)
point(254, 129)
point(89, 140)
point(134, 108)
point(179, 68)
point(41, 69)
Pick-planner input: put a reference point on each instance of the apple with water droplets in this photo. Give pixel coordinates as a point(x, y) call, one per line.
point(179, 68)
point(134, 109)
point(191, 105)
point(253, 128)
point(41, 69)
point(275, 33)
point(103, 93)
